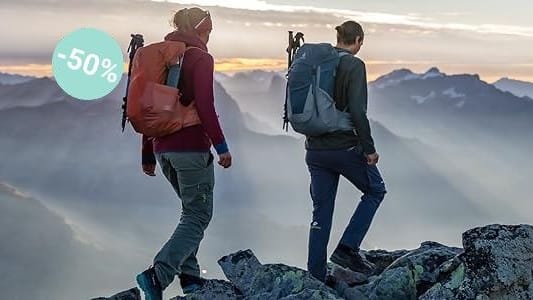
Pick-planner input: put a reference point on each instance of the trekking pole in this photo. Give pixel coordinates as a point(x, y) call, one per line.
point(295, 42)
point(289, 63)
point(289, 48)
point(137, 41)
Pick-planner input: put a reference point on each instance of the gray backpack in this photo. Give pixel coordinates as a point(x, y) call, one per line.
point(309, 104)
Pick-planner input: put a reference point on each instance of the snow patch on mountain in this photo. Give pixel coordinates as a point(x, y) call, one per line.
point(452, 93)
point(424, 99)
point(460, 104)
point(398, 76)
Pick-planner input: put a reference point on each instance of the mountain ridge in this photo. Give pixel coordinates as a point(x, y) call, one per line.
point(485, 268)
point(518, 88)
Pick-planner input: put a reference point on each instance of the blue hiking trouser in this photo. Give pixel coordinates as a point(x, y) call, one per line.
point(325, 168)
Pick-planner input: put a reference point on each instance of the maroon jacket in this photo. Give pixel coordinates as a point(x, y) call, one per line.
point(196, 84)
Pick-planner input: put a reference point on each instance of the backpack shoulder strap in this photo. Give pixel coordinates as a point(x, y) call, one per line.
point(343, 53)
point(174, 72)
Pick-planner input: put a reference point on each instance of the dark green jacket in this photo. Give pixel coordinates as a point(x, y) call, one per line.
point(350, 91)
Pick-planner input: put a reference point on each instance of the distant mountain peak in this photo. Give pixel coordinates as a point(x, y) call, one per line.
point(395, 77)
point(397, 74)
point(433, 70)
point(432, 73)
point(31, 93)
point(518, 88)
point(402, 75)
point(11, 79)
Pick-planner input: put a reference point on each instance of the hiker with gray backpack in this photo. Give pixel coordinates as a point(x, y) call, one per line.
point(327, 102)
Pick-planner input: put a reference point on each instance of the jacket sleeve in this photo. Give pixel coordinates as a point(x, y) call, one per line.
point(357, 103)
point(205, 102)
point(148, 157)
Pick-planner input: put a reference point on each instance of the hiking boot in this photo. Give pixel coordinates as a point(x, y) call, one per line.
point(190, 284)
point(351, 259)
point(149, 284)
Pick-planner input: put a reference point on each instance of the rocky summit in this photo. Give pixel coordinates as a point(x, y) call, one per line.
point(496, 262)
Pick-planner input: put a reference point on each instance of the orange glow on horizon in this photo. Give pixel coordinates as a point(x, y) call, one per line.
point(375, 68)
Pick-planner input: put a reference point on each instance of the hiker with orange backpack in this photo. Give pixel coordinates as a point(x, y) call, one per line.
point(170, 100)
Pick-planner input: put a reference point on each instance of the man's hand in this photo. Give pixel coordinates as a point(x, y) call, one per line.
point(149, 170)
point(224, 160)
point(372, 159)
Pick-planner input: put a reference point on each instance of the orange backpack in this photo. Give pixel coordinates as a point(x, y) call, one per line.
point(153, 104)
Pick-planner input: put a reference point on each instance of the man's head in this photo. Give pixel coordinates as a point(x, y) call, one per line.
point(350, 36)
point(194, 20)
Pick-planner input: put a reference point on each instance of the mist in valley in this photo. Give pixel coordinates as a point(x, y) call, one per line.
point(100, 220)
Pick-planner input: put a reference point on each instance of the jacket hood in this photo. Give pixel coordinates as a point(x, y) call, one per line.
point(190, 39)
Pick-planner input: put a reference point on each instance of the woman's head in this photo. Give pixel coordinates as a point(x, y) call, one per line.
point(194, 20)
point(350, 35)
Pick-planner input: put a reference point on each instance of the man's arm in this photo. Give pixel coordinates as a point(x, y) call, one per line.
point(357, 103)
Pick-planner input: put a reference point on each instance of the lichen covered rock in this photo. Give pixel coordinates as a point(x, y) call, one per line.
point(497, 264)
point(275, 281)
point(214, 289)
point(398, 283)
point(381, 259)
point(347, 276)
point(240, 268)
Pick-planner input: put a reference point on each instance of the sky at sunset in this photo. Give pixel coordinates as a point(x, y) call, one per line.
point(490, 38)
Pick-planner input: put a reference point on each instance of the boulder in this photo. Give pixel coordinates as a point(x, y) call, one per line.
point(398, 284)
point(274, 281)
point(347, 276)
point(381, 259)
point(497, 263)
point(131, 294)
point(214, 289)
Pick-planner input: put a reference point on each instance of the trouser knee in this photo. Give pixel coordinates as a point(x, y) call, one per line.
point(375, 195)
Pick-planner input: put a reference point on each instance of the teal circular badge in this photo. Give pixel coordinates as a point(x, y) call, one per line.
point(88, 64)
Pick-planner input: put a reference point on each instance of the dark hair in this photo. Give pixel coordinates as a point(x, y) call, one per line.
point(348, 32)
point(186, 19)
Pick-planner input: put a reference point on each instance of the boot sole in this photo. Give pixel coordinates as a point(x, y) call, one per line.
point(339, 261)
